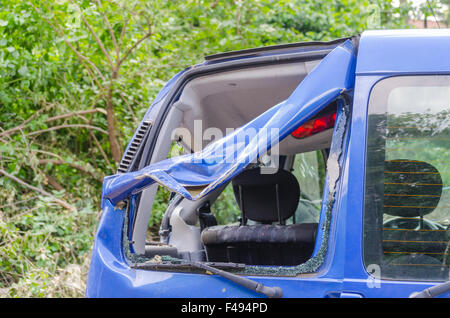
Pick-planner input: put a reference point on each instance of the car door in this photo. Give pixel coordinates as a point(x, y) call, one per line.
point(397, 202)
point(112, 272)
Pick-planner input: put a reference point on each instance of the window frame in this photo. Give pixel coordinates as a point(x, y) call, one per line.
point(322, 179)
point(372, 221)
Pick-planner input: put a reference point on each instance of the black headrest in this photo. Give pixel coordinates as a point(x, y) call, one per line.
point(411, 188)
point(256, 194)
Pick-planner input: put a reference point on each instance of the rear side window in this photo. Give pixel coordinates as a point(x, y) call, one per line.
point(407, 185)
point(309, 169)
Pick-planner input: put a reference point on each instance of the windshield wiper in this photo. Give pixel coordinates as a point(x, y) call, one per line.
point(433, 291)
point(272, 292)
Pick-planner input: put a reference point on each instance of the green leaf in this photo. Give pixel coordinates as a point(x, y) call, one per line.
point(23, 70)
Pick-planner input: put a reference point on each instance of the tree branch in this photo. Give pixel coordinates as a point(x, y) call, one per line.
point(43, 192)
point(48, 153)
point(67, 126)
point(57, 28)
point(110, 29)
point(147, 35)
point(213, 5)
point(55, 184)
point(129, 108)
point(94, 34)
point(73, 165)
point(122, 32)
point(81, 112)
point(21, 126)
point(97, 143)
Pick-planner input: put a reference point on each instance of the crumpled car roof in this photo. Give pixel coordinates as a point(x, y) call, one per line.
point(195, 175)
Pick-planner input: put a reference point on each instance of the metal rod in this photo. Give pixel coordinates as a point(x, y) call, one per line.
point(241, 198)
point(278, 204)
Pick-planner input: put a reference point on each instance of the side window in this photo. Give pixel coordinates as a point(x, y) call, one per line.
point(309, 169)
point(161, 201)
point(225, 209)
point(407, 197)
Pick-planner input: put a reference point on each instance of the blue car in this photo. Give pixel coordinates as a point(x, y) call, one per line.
point(316, 169)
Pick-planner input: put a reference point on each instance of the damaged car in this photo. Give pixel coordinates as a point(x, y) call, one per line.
point(315, 169)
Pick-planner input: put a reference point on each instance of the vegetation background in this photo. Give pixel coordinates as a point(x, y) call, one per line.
point(77, 76)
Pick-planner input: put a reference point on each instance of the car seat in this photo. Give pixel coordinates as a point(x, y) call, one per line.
point(264, 199)
point(412, 189)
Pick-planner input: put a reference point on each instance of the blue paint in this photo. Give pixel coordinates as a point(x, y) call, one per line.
point(381, 54)
point(411, 51)
point(215, 165)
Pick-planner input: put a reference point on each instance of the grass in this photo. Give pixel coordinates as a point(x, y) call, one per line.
point(45, 249)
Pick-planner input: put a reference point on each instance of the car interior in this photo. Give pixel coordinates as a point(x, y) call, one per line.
point(407, 229)
point(278, 213)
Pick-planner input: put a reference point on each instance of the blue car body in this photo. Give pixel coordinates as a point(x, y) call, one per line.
point(379, 55)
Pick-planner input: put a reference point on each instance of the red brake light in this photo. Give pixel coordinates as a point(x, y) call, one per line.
point(314, 126)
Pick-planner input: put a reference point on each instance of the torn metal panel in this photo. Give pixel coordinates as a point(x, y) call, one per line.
point(195, 175)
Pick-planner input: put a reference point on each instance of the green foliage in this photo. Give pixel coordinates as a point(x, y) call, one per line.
point(226, 209)
point(73, 73)
point(45, 250)
point(158, 209)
